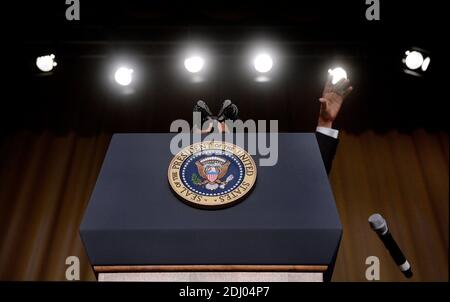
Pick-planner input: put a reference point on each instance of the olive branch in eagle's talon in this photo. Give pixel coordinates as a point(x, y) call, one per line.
point(195, 179)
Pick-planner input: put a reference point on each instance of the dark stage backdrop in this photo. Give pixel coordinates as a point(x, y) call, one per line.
point(46, 180)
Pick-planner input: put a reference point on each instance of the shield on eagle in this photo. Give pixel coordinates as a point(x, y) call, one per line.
point(212, 169)
point(212, 173)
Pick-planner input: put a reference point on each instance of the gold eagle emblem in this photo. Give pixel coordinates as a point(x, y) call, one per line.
point(212, 170)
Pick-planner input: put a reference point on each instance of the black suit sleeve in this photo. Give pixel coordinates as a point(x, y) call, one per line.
point(328, 146)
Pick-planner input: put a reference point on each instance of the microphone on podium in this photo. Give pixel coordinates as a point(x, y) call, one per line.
point(379, 225)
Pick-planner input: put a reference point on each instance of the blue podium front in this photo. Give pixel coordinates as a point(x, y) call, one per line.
point(134, 218)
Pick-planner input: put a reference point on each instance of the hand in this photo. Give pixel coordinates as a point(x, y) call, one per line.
point(331, 101)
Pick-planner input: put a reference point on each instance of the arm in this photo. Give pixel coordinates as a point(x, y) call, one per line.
point(330, 104)
point(327, 146)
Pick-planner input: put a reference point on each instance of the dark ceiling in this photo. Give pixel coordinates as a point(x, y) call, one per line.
point(308, 36)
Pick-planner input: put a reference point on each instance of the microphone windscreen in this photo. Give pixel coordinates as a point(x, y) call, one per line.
point(378, 223)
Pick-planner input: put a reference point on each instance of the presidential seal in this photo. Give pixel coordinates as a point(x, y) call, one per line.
point(212, 174)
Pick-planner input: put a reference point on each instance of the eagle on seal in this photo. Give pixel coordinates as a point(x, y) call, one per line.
point(212, 170)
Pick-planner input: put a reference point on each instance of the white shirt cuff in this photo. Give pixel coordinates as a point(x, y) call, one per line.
point(328, 131)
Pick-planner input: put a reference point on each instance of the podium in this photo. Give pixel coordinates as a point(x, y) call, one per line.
point(286, 229)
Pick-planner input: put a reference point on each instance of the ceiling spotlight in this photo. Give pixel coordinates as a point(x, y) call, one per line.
point(123, 76)
point(413, 60)
point(416, 61)
point(263, 63)
point(46, 63)
point(194, 64)
point(337, 74)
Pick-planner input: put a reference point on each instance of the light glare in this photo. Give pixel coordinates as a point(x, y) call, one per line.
point(123, 76)
point(425, 64)
point(194, 64)
point(263, 63)
point(337, 74)
point(414, 59)
point(46, 63)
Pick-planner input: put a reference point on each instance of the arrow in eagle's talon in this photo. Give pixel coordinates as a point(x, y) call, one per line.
point(229, 178)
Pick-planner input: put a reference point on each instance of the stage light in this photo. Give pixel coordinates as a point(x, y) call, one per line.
point(337, 74)
point(123, 76)
point(416, 61)
point(46, 63)
point(413, 60)
point(194, 64)
point(263, 63)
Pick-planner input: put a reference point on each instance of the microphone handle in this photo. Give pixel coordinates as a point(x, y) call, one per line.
point(396, 254)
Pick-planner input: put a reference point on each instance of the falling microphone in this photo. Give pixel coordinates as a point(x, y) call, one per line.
point(379, 225)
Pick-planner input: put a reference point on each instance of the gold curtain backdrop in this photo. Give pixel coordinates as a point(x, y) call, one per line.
point(46, 180)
